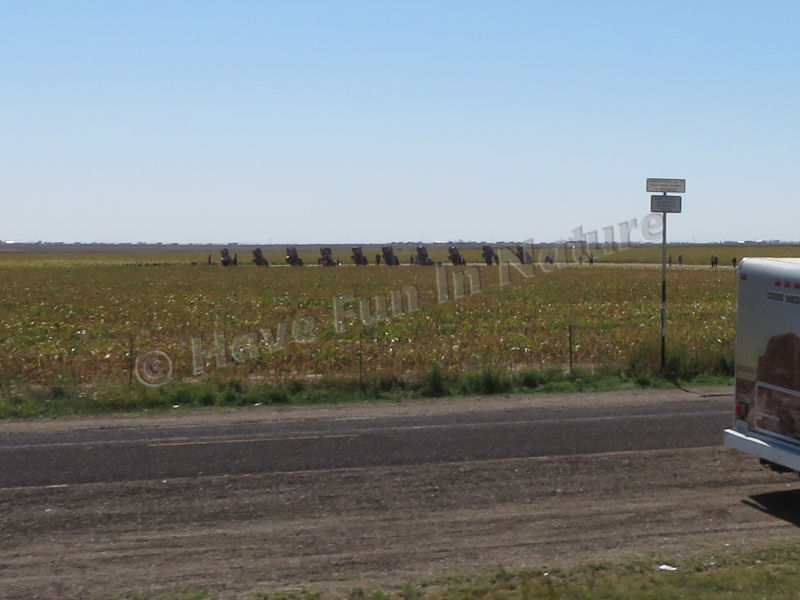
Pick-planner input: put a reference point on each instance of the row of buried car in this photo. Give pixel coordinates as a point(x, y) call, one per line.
point(385, 256)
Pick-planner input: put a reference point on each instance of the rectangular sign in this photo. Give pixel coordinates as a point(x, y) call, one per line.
point(676, 186)
point(665, 204)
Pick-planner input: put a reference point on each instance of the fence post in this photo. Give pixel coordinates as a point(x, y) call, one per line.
point(570, 349)
point(131, 359)
point(361, 361)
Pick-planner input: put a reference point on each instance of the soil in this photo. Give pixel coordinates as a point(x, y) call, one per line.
point(234, 536)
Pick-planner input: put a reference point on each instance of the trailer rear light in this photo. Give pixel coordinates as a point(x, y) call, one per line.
point(741, 410)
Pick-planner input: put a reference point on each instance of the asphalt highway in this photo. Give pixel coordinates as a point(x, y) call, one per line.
point(115, 454)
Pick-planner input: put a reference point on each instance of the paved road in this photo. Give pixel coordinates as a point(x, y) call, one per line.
point(115, 454)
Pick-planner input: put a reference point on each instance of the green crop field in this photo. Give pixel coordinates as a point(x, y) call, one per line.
point(88, 317)
point(696, 254)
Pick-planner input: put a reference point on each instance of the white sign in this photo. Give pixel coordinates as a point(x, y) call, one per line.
point(676, 186)
point(665, 204)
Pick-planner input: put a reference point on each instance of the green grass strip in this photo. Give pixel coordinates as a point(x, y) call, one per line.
point(27, 401)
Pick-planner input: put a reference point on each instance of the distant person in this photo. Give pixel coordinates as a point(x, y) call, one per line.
point(670, 260)
point(209, 259)
point(377, 259)
point(591, 259)
point(235, 259)
point(733, 262)
point(680, 260)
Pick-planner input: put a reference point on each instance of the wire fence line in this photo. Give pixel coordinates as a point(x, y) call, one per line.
point(367, 355)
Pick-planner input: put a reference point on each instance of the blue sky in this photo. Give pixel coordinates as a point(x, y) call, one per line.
point(303, 122)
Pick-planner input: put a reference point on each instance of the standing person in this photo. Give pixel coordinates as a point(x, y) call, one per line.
point(680, 260)
point(670, 260)
point(733, 262)
point(591, 259)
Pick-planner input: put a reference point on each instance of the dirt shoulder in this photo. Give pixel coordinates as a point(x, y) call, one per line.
point(341, 529)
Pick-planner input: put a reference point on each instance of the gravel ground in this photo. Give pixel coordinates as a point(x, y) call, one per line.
point(367, 527)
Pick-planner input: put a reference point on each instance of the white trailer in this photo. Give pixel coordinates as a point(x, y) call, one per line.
point(767, 395)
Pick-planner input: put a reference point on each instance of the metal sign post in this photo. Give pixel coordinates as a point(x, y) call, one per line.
point(665, 204)
point(663, 290)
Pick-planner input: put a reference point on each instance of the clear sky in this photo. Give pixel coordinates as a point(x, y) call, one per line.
point(377, 121)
